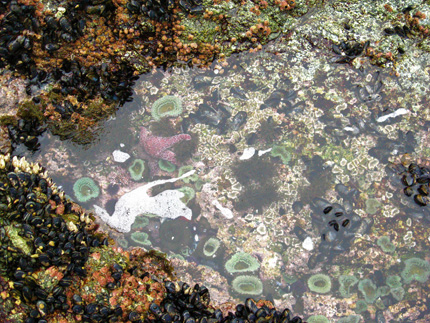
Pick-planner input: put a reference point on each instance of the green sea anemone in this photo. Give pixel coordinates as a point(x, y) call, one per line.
point(385, 244)
point(85, 189)
point(360, 306)
point(369, 290)
point(383, 290)
point(166, 166)
point(346, 283)
point(317, 319)
point(398, 293)
point(372, 206)
point(140, 222)
point(137, 169)
point(210, 247)
point(247, 285)
point(189, 193)
point(167, 106)
point(141, 238)
point(416, 269)
point(186, 169)
point(281, 152)
point(319, 283)
point(242, 262)
point(394, 281)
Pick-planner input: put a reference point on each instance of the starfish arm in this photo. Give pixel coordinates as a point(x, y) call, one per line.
point(169, 156)
point(170, 141)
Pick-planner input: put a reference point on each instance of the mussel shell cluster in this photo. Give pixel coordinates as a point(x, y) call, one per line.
point(34, 236)
point(184, 303)
point(415, 180)
point(162, 10)
point(336, 226)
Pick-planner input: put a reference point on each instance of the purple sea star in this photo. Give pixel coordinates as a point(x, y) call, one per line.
point(155, 148)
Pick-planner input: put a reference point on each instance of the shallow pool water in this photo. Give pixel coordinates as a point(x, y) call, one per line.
point(276, 175)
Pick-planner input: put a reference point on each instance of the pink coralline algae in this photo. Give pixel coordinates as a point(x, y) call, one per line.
point(155, 148)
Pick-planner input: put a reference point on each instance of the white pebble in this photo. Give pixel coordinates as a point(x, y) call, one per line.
point(308, 244)
point(120, 156)
point(224, 211)
point(247, 153)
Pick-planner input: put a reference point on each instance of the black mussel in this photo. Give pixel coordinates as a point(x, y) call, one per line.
point(57, 291)
point(117, 276)
point(104, 311)
point(319, 204)
point(110, 286)
point(186, 315)
point(423, 190)
point(251, 305)
point(414, 169)
point(170, 287)
point(41, 293)
point(190, 320)
point(42, 307)
point(133, 6)
point(19, 275)
point(117, 267)
point(239, 120)
point(51, 47)
point(408, 179)
point(77, 299)
point(327, 209)
point(166, 318)
point(14, 180)
point(296, 319)
point(346, 223)
point(78, 309)
point(423, 179)
point(421, 200)
point(133, 316)
point(66, 25)
point(261, 312)
point(44, 260)
point(27, 294)
point(154, 308)
point(218, 315)
point(329, 236)
point(91, 308)
point(300, 233)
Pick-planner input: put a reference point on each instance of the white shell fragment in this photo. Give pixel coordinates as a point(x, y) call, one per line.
point(224, 211)
point(166, 204)
point(247, 153)
point(120, 156)
point(396, 113)
point(262, 152)
point(308, 244)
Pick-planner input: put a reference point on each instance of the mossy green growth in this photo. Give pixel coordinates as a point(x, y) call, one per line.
point(140, 222)
point(281, 152)
point(18, 241)
point(346, 283)
point(416, 269)
point(372, 206)
point(350, 319)
point(137, 169)
point(85, 189)
point(247, 285)
point(167, 106)
point(369, 290)
point(385, 244)
point(141, 238)
point(398, 293)
point(189, 194)
point(241, 262)
point(210, 247)
point(186, 169)
point(360, 306)
point(166, 166)
point(317, 319)
point(319, 283)
point(393, 281)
